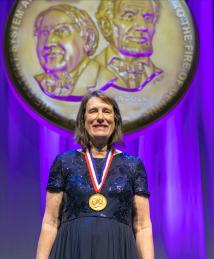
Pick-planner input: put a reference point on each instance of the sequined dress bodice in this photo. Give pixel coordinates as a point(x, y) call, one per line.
point(126, 177)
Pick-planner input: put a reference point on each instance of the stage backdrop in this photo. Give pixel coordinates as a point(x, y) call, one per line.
point(177, 152)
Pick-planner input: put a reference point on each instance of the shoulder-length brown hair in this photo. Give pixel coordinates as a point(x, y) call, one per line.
point(81, 134)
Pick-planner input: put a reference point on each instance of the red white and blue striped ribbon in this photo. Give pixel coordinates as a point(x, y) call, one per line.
point(92, 171)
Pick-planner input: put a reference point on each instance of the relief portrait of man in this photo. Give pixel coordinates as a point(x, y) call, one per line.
point(66, 37)
point(129, 27)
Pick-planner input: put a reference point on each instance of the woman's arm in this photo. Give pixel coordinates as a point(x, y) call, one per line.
point(143, 227)
point(50, 225)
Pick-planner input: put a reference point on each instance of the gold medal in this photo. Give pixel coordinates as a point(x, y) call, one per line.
point(97, 202)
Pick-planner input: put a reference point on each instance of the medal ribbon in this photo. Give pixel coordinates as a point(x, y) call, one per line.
point(91, 168)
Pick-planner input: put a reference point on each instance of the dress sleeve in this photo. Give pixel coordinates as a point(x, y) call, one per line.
point(56, 181)
point(140, 180)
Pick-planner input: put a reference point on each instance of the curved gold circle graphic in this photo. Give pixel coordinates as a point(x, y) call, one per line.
point(141, 52)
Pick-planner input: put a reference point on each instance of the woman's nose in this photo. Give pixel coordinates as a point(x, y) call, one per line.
point(100, 116)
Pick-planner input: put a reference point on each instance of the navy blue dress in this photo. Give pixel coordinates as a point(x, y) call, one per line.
point(87, 234)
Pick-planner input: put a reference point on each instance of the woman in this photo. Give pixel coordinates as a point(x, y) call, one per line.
point(97, 197)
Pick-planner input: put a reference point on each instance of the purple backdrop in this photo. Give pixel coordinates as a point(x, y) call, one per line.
point(177, 153)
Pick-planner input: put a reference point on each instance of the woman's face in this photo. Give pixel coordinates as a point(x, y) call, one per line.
point(99, 119)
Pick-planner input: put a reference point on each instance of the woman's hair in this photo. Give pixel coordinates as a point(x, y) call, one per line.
point(81, 134)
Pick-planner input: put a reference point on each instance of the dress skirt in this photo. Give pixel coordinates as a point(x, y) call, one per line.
point(94, 238)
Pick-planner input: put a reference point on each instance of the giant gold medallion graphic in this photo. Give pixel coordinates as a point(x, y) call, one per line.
point(141, 52)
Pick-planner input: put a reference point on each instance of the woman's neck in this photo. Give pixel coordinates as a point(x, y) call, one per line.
point(99, 151)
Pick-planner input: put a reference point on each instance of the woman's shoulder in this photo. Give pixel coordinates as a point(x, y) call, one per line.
point(126, 156)
point(70, 154)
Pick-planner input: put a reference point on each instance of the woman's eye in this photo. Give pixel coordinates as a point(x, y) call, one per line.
point(92, 111)
point(108, 111)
